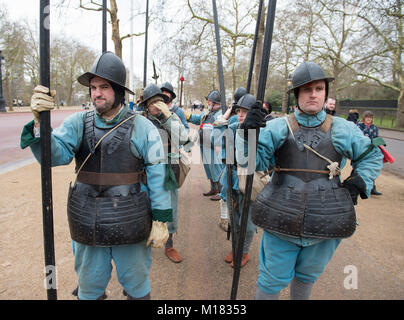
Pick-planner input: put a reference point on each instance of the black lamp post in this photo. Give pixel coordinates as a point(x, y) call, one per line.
point(289, 87)
point(2, 101)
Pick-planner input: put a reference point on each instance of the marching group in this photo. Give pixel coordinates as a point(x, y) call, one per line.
point(124, 201)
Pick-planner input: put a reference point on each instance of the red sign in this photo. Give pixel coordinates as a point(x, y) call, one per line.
point(182, 79)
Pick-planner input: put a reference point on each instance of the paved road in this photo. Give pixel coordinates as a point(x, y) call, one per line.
point(395, 146)
point(11, 124)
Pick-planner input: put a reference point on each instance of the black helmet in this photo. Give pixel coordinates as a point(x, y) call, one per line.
point(240, 91)
point(308, 72)
point(109, 67)
point(214, 96)
point(246, 101)
point(169, 88)
point(151, 91)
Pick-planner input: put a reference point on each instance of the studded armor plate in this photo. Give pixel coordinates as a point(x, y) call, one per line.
point(305, 204)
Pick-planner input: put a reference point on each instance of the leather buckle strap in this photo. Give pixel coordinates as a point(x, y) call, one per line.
point(111, 179)
point(301, 170)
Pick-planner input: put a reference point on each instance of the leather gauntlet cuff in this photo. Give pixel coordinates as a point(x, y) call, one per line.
point(162, 215)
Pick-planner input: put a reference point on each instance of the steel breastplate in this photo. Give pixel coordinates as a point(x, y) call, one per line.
point(305, 204)
point(106, 215)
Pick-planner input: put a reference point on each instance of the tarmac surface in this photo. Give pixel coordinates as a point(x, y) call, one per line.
point(367, 266)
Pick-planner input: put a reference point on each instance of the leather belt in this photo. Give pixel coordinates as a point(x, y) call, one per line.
point(301, 170)
point(111, 179)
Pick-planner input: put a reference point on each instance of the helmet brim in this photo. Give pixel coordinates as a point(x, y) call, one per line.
point(143, 103)
point(173, 95)
point(85, 79)
point(328, 79)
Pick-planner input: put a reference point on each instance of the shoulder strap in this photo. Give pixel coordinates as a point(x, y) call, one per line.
point(326, 125)
point(89, 129)
point(294, 125)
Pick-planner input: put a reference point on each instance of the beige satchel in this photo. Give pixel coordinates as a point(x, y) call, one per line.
point(260, 180)
point(185, 166)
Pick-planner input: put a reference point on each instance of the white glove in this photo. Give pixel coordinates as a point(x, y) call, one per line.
point(220, 121)
point(41, 101)
point(158, 235)
point(163, 108)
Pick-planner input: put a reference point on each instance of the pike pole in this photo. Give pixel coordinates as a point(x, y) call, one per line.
point(229, 195)
point(104, 26)
point(46, 173)
point(254, 48)
point(269, 27)
point(145, 46)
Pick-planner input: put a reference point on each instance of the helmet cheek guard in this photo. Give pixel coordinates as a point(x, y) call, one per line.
point(119, 94)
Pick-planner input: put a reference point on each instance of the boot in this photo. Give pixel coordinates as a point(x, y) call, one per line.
point(173, 255)
point(375, 192)
point(218, 187)
point(212, 190)
point(170, 252)
point(216, 197)
point(129, 297)
point(229, 257)
point(76, 294)
point(244, 259)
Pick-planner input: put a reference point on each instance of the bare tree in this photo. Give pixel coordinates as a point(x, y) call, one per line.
point(13, 41)
point(236, 35)
point(117, 38)
point(69, 59)
point(384, 21)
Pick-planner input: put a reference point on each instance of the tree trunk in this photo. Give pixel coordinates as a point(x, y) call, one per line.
point(9, 100)
point(400, 110)
point(116, 37)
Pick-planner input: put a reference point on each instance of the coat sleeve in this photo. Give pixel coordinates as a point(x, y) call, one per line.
point(65, 140)
point(196, 118)
point(349, 140)
point(147, 144)
point(176, 129)
point(271, 138)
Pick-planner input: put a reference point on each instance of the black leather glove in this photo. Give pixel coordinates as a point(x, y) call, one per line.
point(356, 186)
point(255, 117)
point(254, 120)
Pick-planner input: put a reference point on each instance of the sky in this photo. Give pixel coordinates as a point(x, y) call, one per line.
point(86, 27)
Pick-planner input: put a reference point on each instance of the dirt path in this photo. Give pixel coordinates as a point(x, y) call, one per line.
point(376, 249)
